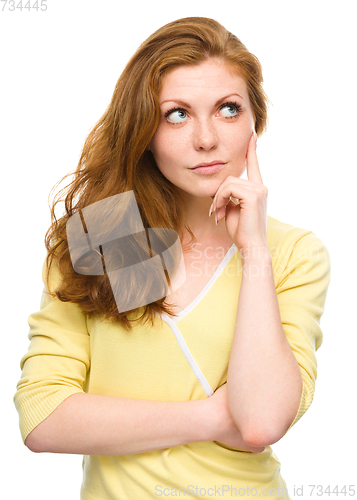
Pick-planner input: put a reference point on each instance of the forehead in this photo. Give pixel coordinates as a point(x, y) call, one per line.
point(213, 76)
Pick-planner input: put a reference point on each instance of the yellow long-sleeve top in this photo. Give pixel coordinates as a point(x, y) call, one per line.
point(181, 358)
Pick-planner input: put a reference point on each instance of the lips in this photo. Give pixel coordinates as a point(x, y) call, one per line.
point(215, 162)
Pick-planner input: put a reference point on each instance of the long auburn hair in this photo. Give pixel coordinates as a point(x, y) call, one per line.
point(115, 158)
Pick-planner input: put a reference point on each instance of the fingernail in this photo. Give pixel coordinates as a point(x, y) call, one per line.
point(213, 208)
point(215, 218)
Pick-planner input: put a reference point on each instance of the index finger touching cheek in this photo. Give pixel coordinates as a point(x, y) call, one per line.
point(253, 171)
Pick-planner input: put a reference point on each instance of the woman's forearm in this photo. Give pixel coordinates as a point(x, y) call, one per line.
point(264, 380)
point(91, 424)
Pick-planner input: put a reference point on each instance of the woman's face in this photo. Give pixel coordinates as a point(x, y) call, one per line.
point(205, 117)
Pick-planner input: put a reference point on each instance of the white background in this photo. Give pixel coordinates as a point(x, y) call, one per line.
point(59, 68)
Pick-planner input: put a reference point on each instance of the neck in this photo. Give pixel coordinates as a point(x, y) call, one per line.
point(204, 227)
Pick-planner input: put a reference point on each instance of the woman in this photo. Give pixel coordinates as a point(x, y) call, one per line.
point(189, 403)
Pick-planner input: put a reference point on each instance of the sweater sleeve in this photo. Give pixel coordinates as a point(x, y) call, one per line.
point(57, 361)
point(301, 292)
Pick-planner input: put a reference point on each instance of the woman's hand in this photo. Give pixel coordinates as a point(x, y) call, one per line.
point(246, 222)
point(228, 433)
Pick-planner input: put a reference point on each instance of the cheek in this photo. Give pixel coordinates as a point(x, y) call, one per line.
point(239, 145)
point(160, 148)
point(159, 144)
point(166, 147)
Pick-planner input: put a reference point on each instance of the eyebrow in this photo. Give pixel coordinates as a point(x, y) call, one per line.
point(186, 105)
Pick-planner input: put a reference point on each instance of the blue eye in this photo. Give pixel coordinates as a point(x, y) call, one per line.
point(229, 110)
point(176, 115)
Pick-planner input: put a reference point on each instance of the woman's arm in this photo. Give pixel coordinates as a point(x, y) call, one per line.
point(273, 368)
point(92, 424)
point(264, 379)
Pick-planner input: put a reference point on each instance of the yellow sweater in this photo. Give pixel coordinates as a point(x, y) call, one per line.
point(70, 353)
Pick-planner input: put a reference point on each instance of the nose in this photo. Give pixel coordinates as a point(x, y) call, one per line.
point(205, 136)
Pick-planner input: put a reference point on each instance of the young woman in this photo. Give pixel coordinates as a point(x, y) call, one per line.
point(190, 402)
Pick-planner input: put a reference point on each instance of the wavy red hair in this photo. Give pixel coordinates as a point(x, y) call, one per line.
point(115, 158)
